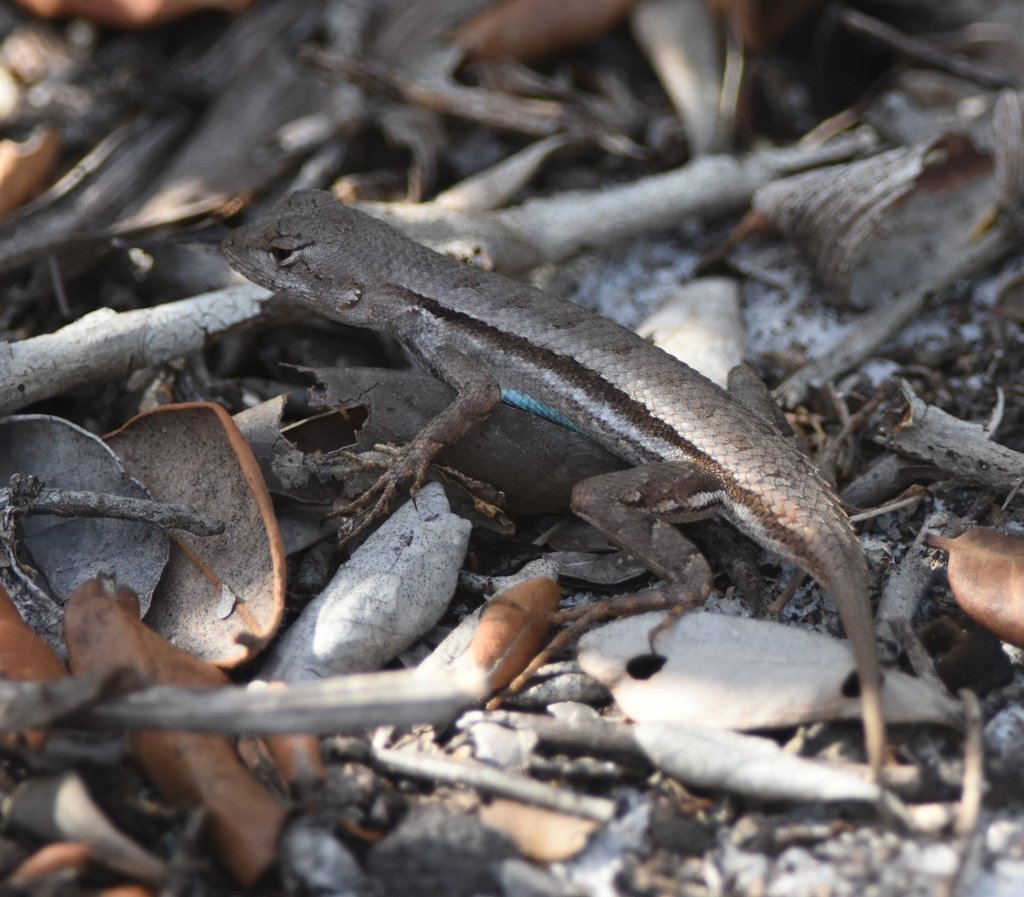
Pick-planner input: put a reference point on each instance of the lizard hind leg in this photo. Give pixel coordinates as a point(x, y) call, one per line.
point(635, 509)
point(620, 505)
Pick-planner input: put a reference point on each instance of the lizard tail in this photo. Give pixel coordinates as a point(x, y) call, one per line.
point(847, 583)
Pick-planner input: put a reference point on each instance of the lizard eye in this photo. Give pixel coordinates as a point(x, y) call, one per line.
point(285, 252)
point(282, 256)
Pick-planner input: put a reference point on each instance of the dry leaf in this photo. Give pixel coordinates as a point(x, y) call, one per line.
point(986, 575)
point(525, 29)
point(1008, 139)
point(25, 166)
point(394, 588)
point(879, 226)
point(541, 835)
point(701, 324)
point(743, 764)
point(68, 550)
point(60, 856)
point(221, 597)
point(59, 807)
point(24, 657)
point(298, 759)
point(738, 673)
point(103, 633)
point(680, 40)
point(534, 463)
point(512, 628)
point(128, 13)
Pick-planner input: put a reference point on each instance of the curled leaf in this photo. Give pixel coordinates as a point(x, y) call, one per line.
point(25, 166)
point(986, 575)
point(876, 227)
point(103, 633)
point(58, 807)
point(1008, 134)
point(60, 856)
point(512, 629)
point(24, 657)
point(221, 597)
point(298, 758)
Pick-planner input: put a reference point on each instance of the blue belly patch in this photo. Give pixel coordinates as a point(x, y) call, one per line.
point(529, 404)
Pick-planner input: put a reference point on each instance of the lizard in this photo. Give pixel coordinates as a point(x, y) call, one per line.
point(694, 449)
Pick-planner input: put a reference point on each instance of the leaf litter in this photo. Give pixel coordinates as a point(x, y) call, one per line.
point(908, 278)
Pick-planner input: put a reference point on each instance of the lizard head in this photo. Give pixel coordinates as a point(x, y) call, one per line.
point(312, 249)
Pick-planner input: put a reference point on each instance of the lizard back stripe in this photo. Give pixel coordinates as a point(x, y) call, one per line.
point(571, 371)
point(748, 508)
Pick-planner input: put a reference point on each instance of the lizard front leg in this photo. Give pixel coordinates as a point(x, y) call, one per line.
point(477, 394)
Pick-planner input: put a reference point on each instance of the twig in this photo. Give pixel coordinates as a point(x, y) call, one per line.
point(108, 345)
point(873, 330)
point(444, 770)
point(851, 423)
point(925, 52)
point(72, 503)
point(538, 118)
point(957, 446)
point(552, 228)
point(597, 737)
point(972, 790)
point(325, 706)
point(974, 766)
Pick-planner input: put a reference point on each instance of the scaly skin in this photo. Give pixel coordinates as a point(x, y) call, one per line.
point(628, 395)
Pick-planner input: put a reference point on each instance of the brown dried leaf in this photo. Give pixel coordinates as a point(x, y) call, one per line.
point(221, 597)
point(103, 633)
point(24, 657)
point(986, 575)
point(513, 628)
point(541, 835)
point(526, 29)
point(24, 167)
point(60, 856)
point(128, 13)
point(298, 759)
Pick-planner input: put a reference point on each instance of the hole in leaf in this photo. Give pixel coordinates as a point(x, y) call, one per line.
point(851, 686)
point(643, 666)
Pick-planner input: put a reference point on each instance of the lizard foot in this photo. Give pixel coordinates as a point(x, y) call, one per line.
point(406, 471)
